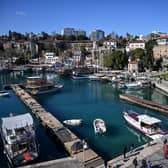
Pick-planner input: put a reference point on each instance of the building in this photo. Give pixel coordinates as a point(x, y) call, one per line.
point(97, 35)
point(111, 44)
point(50, 58)
point(73, 32)
point(133, 66)
point(163, 40)
point(160, 51)
point(135, 45)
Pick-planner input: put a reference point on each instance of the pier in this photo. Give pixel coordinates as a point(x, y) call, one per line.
point(72, 144)
point(152, 152)
point(144, 103)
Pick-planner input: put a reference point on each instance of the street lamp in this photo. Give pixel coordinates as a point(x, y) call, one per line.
point(85, 146)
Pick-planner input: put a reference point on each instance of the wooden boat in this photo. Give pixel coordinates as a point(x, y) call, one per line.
point(99, 126)
point(73, 122)
point(149, 126)
point(19, 139)
point(3, 93)
point(36, 85)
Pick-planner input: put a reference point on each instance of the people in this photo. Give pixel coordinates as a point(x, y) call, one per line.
point(135, 162)
point(144, 164)
point(165, 150)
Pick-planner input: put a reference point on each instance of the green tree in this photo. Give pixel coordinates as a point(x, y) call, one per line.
point(115, 60)
point(137, 54)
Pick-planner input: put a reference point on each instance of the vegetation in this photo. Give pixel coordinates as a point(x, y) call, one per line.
point(115, 60)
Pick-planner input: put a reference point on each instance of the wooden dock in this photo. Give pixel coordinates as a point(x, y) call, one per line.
point(72, 144)
point(145, 103)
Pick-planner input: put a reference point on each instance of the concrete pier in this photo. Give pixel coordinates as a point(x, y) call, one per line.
point(152, 152)
point(72, 144)
point(144, 103)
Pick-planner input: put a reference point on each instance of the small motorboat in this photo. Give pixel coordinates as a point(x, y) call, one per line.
point(73, 122)
point(99, 126)
point(3, 93)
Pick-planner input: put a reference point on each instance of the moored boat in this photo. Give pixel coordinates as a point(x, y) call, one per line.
point(36, 85)
point(3, 93)
point(19, 139)
point(73, 122)
point(99, 126)
point(149, 126)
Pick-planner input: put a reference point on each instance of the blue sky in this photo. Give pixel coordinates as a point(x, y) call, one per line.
point(122, 16)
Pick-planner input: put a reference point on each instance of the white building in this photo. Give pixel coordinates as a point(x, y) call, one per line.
point(50, 58)
point(133, 66)
point(135, 45)
point(73, 32)
point(110, 44)
point(162, 40)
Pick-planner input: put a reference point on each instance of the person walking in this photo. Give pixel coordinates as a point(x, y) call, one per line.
point(165, 150)
point(135, 162)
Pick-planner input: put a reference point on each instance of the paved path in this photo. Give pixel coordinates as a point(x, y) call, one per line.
point(152, 152)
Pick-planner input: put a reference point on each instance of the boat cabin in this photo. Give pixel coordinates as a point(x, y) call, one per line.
point(149, 124)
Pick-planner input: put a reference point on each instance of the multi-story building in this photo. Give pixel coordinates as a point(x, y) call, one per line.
point(160, 51)
point(97, 35)
point(50, 58)
point(135, 45)
point(73, 32)
point(110, 44)
point(163, 40)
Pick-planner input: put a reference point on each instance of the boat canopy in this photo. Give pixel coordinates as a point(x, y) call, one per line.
point(148, 120)
point(17, 121)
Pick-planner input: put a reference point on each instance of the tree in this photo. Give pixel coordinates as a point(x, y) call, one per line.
point(137, 54)
point(115, 60)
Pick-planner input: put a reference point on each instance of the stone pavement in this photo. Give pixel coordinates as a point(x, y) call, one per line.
point(152, 153)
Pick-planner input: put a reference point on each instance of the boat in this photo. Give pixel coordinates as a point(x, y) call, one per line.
point(73, 122)
point(99, 126)
point(19, 139)
point(94, 77)
point(133, 85)
point(3, 93)
point(80, 76)
point(149, 126)
point(37, 85)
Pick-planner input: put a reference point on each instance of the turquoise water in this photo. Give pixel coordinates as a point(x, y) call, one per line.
point(86, 100)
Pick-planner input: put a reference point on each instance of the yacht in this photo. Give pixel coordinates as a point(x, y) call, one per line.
point(150, 126)
point(19, 140)
point(99, 126)
point(37, 85)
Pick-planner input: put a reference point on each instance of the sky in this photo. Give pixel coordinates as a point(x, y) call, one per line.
point(121, 16)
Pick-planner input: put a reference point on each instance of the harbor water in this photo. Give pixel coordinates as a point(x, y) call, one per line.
point(86, 100)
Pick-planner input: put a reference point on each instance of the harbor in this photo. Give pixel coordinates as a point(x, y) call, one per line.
point(60, 105)
point(64, 135)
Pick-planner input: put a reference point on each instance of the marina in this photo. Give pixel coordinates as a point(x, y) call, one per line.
point(65, 136)
point(95, 96)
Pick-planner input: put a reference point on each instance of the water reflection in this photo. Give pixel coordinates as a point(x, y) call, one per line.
point(141, 138)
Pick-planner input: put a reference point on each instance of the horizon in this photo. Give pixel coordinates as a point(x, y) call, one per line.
point(120, 17)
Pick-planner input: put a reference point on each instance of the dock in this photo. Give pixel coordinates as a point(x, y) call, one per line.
point(72, 144)
point(152, 152)
point(145, 103)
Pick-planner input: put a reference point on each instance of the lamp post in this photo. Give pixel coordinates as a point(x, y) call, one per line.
point(84, 147)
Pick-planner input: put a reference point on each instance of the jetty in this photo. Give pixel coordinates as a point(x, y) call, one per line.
point(72, 144)
point(152, 152)
point(145, 103)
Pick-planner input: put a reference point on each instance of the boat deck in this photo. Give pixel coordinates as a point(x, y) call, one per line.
point(66, 137)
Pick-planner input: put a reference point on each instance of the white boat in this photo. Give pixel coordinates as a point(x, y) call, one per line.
point(3, 93)
point(94, 77)
point(133, 85)
point(73, 122)
point(19, 139)
point(99, 126)
point(80, 76)
point(150, 126)
point(36, 85)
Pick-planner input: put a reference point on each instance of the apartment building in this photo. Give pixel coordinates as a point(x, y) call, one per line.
point(97, 35)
